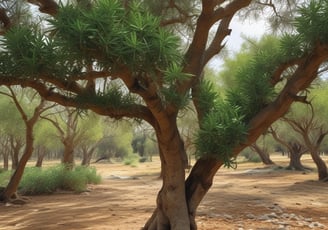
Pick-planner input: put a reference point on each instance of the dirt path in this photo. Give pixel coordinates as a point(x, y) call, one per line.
point(251, 197)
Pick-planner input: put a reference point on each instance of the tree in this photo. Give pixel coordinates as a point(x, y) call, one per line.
point(91, 133)
point(46, 140)
point(312, 134)
point(12, 126)
point(263, 153)
point(126, 44)
point(294, 147)
point(29, 141)
point(74, 131)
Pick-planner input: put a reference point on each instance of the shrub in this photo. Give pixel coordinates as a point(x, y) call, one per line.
point(45, 181)
point(252, 157)
point(131, 159)
point(4, 178)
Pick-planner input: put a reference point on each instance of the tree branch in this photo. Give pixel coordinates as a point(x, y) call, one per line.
point(46, 6)
point(216, 45)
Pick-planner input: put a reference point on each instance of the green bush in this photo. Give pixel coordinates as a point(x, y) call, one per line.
point(45, 181)
point(131, 159)
point(4, 178)
point(251, 157)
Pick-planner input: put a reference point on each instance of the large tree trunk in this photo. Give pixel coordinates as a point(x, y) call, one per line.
point(172, 211)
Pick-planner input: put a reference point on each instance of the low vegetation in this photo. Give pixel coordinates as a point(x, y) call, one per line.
point(37, 181)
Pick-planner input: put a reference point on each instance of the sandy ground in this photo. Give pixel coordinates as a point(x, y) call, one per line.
point(251, 197)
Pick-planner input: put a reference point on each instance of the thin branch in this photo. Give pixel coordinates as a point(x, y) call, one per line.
point(216, 45)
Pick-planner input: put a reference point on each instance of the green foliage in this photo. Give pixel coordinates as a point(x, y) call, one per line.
point(207, 96)
point(131, 159)
point(114, 36)
point(221, 130)
point(311, 24)
point(45, 181)
point(251, 156)
point(106, 36)
point(29, 53)
point(4, 177)
point(113, 97)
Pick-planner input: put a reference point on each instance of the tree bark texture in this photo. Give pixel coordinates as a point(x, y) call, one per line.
point(172, 211)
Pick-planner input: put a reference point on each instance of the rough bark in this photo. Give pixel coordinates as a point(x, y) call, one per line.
point(172, 211)
point(201, 177)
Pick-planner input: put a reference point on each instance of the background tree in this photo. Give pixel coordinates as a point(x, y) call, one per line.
point(46, 141)
point(12, 125)
point(91, 128)
point(262, 150)
point(75, 131)
point(295, 148)
point(29, 123)
point(127, 44)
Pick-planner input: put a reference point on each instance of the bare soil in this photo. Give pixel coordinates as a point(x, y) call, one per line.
point(253, 196)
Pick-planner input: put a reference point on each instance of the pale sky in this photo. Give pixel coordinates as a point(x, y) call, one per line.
point(253, 29)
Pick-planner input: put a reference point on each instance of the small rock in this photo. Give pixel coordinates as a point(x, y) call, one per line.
point(316, 225)
point(264, 217)
point(250, 216)
point(229, 217)
point(272, 215)
point(282, 227)
point(308, 219)
point(285, 215)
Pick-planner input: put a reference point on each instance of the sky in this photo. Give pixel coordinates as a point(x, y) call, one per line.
point(253, 29)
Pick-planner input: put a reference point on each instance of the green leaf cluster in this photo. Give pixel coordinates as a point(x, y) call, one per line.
point(221, 129)
point(111, 34)
point(114, 97)
point(311, 24)
point(27, 53)
point(174, 75)
point(254, 90)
